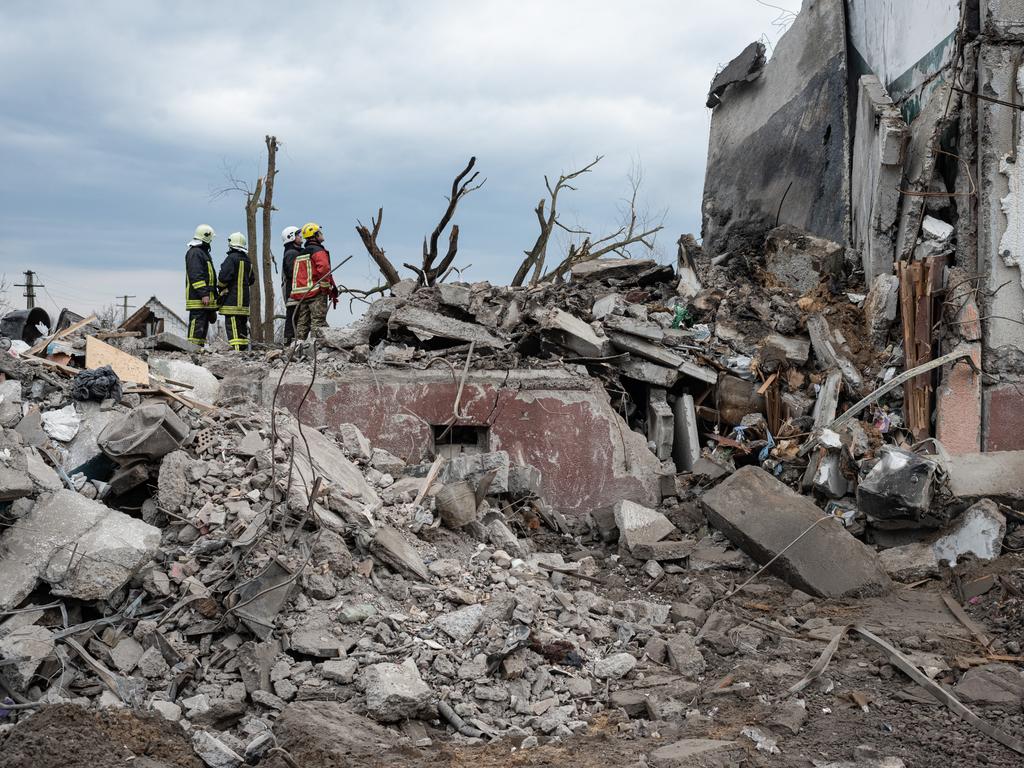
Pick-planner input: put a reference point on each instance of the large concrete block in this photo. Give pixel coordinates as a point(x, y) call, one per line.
point(686, 448)
point(205, 386)
point(395, 691)
point(762, 517)
point(55, 523)
point(639, 525)
point(998, 475)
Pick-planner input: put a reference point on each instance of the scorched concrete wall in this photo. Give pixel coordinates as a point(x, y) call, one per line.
point(559, 423)
point(779, 145)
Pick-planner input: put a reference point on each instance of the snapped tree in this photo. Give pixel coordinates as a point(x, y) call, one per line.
point(430, 271)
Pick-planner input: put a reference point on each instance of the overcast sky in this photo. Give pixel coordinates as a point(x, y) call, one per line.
point(120, 118)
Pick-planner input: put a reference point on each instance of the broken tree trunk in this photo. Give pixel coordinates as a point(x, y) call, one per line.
point(268, 209)
point(428, 272)
point(369, 238)
point(252, 203)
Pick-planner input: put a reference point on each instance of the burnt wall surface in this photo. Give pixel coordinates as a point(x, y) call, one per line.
point(561, 424)
point(779, 146)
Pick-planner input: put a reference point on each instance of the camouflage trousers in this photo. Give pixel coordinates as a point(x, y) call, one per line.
point(310, 317)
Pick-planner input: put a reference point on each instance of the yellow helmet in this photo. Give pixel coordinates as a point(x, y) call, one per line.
point(310, 229)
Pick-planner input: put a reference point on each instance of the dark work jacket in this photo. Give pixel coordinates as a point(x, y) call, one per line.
point(291, 250)
point(234, 280)
point(200, 278)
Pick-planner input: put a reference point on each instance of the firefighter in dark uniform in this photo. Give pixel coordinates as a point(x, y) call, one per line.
point(200, 285)
point(233, 281)
point(292, 238)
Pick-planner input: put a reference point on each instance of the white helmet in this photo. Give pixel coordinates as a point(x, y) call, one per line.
point(238, 240)
point(205, 233)
point(288, 234)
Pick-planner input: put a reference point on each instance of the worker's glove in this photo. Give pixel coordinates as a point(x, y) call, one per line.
point(206, 300)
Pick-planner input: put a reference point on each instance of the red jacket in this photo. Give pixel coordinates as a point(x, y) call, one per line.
point(316, 259)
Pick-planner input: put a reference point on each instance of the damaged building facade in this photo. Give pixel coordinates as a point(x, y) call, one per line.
point(892, 129)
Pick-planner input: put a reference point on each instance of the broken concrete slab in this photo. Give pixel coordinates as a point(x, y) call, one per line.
point(31, 645)
point(829, 353)
point(998, 475)
point(880, 307)
point(174, 486)
point(799, 260)
point(170, 342)
point(83, 454)
point(763, 517)
point(55, 523)
point(390, 546)
point(614, 667)
point(43, 477)
point(462, 624)
point(10, 403)
point(686, 448)
point(992, 685)
point(354, 442)
point(205, 387)
point(455, 295)
point(329, 733)
point(746, 67)
point(876, 174)
point(659, 355)
point(660, 424)
point(471, 467)
point(319, 637)
point(214, 752)
point(639, 525)
point(395, 691)
point(15, 481)
point(697, 753)
point(648, 372)
point(427, 325)
point(328, 461)
point(779, 347)
point(104, 558)
point(602, 269)
point(613, 303)
point(572, 333)
point(685, 656)
point(634, 327)
point(978, 532)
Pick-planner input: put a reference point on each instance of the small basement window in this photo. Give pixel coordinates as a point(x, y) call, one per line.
point(451, 440)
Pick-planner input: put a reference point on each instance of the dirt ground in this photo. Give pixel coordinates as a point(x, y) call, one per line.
point(67, 736)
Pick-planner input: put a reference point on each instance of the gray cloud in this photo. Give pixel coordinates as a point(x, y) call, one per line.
point(119, 118)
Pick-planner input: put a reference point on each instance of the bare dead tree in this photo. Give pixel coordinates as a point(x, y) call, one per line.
point(267, 329)
point(428, 271)
point(536, 255)
point(252, 205)
point(369, 238)
point(636, 229)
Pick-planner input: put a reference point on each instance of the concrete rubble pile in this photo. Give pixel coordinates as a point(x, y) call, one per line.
point(218, 562)
point(705, 507)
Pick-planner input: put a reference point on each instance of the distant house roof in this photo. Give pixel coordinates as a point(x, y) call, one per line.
point(154, 317)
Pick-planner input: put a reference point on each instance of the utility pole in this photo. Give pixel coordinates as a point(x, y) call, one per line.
point(30, 286)
point(124, 306)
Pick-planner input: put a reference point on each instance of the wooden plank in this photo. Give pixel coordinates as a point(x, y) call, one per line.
point(43, 343)
point(127, 367)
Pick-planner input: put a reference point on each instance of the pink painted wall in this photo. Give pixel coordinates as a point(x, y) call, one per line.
point(561, 424)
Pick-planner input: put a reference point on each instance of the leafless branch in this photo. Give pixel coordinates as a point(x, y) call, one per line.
point(461, 186)
point(536, 255)
point(369, 238)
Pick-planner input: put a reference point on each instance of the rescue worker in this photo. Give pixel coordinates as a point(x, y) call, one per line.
point(312, 283)
point(200, 285)
point(292, 238)
point(235, 277)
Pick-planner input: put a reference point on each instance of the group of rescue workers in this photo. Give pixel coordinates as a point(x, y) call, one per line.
point(306, 283)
